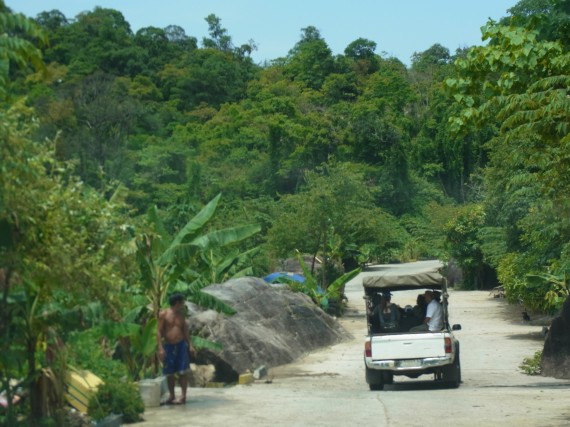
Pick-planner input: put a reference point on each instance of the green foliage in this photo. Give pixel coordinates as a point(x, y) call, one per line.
point(511, 272)
point(550, 17)
point(518, 82)
point(185, 263)
point(117, 397)
point(464, 245)
point(321, 295)
point(353, 158)
point(311, 60)
point(18, 45)
point(167, 261)
point(346, 157)
point(362, 52)
point(135, 344)
point(64, 250)
point(219, 38)
point(531, 365)
point(333, 216)
point(93, 351)
point(435, 56)
point(555, 289)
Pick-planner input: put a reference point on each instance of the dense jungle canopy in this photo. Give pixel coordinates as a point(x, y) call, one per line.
point(133, 164)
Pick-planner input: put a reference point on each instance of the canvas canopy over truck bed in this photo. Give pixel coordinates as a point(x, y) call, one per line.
point(423, 280)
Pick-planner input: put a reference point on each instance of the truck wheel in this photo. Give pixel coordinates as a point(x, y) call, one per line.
point(374, 379)
point(452, 373)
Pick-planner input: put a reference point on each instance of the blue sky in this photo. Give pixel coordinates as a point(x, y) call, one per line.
point(399, 27)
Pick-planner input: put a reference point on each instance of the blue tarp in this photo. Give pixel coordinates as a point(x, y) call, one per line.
point(276, 277)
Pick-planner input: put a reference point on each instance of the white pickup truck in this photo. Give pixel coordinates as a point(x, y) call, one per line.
point(396, 350)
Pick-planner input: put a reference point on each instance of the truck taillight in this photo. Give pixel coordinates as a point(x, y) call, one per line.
point(367, 349)
point(448, 348)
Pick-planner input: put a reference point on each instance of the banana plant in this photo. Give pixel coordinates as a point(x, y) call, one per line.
point(311, 287)
point(556, 289)
point(34, 322)
point(186, 263)
point(166, 262)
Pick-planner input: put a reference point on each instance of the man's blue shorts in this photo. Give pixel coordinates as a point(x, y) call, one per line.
point(176, 359)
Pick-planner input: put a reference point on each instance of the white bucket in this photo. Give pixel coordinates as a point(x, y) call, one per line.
point(150, 392)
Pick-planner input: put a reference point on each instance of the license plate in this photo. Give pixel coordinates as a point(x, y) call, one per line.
point(408, 363)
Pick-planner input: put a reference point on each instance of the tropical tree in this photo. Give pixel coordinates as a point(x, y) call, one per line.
point(463, 241)
point(18, 45)
point(98, 40)
point(549, 17)
point(61, 247)
point(167, 263)
point(310, 61)
point(333, 216)
point(219, 37)
point(522, 82)
point(185, 263)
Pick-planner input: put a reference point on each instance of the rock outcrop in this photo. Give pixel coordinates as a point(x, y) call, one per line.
point(272, 326)
point(555, 360)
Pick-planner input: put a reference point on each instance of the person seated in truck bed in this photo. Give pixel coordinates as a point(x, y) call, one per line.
point(434, 315)
point(420, 309)
point(408, 319)
point(388, 313)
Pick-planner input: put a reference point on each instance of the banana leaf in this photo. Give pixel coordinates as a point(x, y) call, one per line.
point(334, 287)
point(194, 225)
point(199, 343)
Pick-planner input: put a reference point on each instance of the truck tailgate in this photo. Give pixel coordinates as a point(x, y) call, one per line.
point(416, 346)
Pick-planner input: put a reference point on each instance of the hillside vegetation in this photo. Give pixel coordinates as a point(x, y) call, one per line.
point(135, 164)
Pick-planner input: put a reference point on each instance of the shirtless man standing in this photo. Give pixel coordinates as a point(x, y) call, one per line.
point(174, 346)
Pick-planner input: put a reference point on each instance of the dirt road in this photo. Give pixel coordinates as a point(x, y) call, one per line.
point(327, 388)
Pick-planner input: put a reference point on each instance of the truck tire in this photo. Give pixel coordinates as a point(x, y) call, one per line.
point(375, 379)
point(452, 373)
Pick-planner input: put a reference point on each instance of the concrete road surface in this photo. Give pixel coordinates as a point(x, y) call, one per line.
point(327, 388)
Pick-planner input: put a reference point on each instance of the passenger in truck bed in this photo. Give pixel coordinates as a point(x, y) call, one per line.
point(414, 316)
point(434, 315)
point(420, 309)
point(388, 314)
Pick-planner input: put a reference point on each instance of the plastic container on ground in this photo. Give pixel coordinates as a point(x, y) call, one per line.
point(150, 392)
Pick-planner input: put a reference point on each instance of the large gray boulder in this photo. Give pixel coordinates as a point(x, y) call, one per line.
point(555, 360)
point(272, 326)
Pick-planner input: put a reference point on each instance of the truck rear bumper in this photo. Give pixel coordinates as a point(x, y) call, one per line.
point(409, 364)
